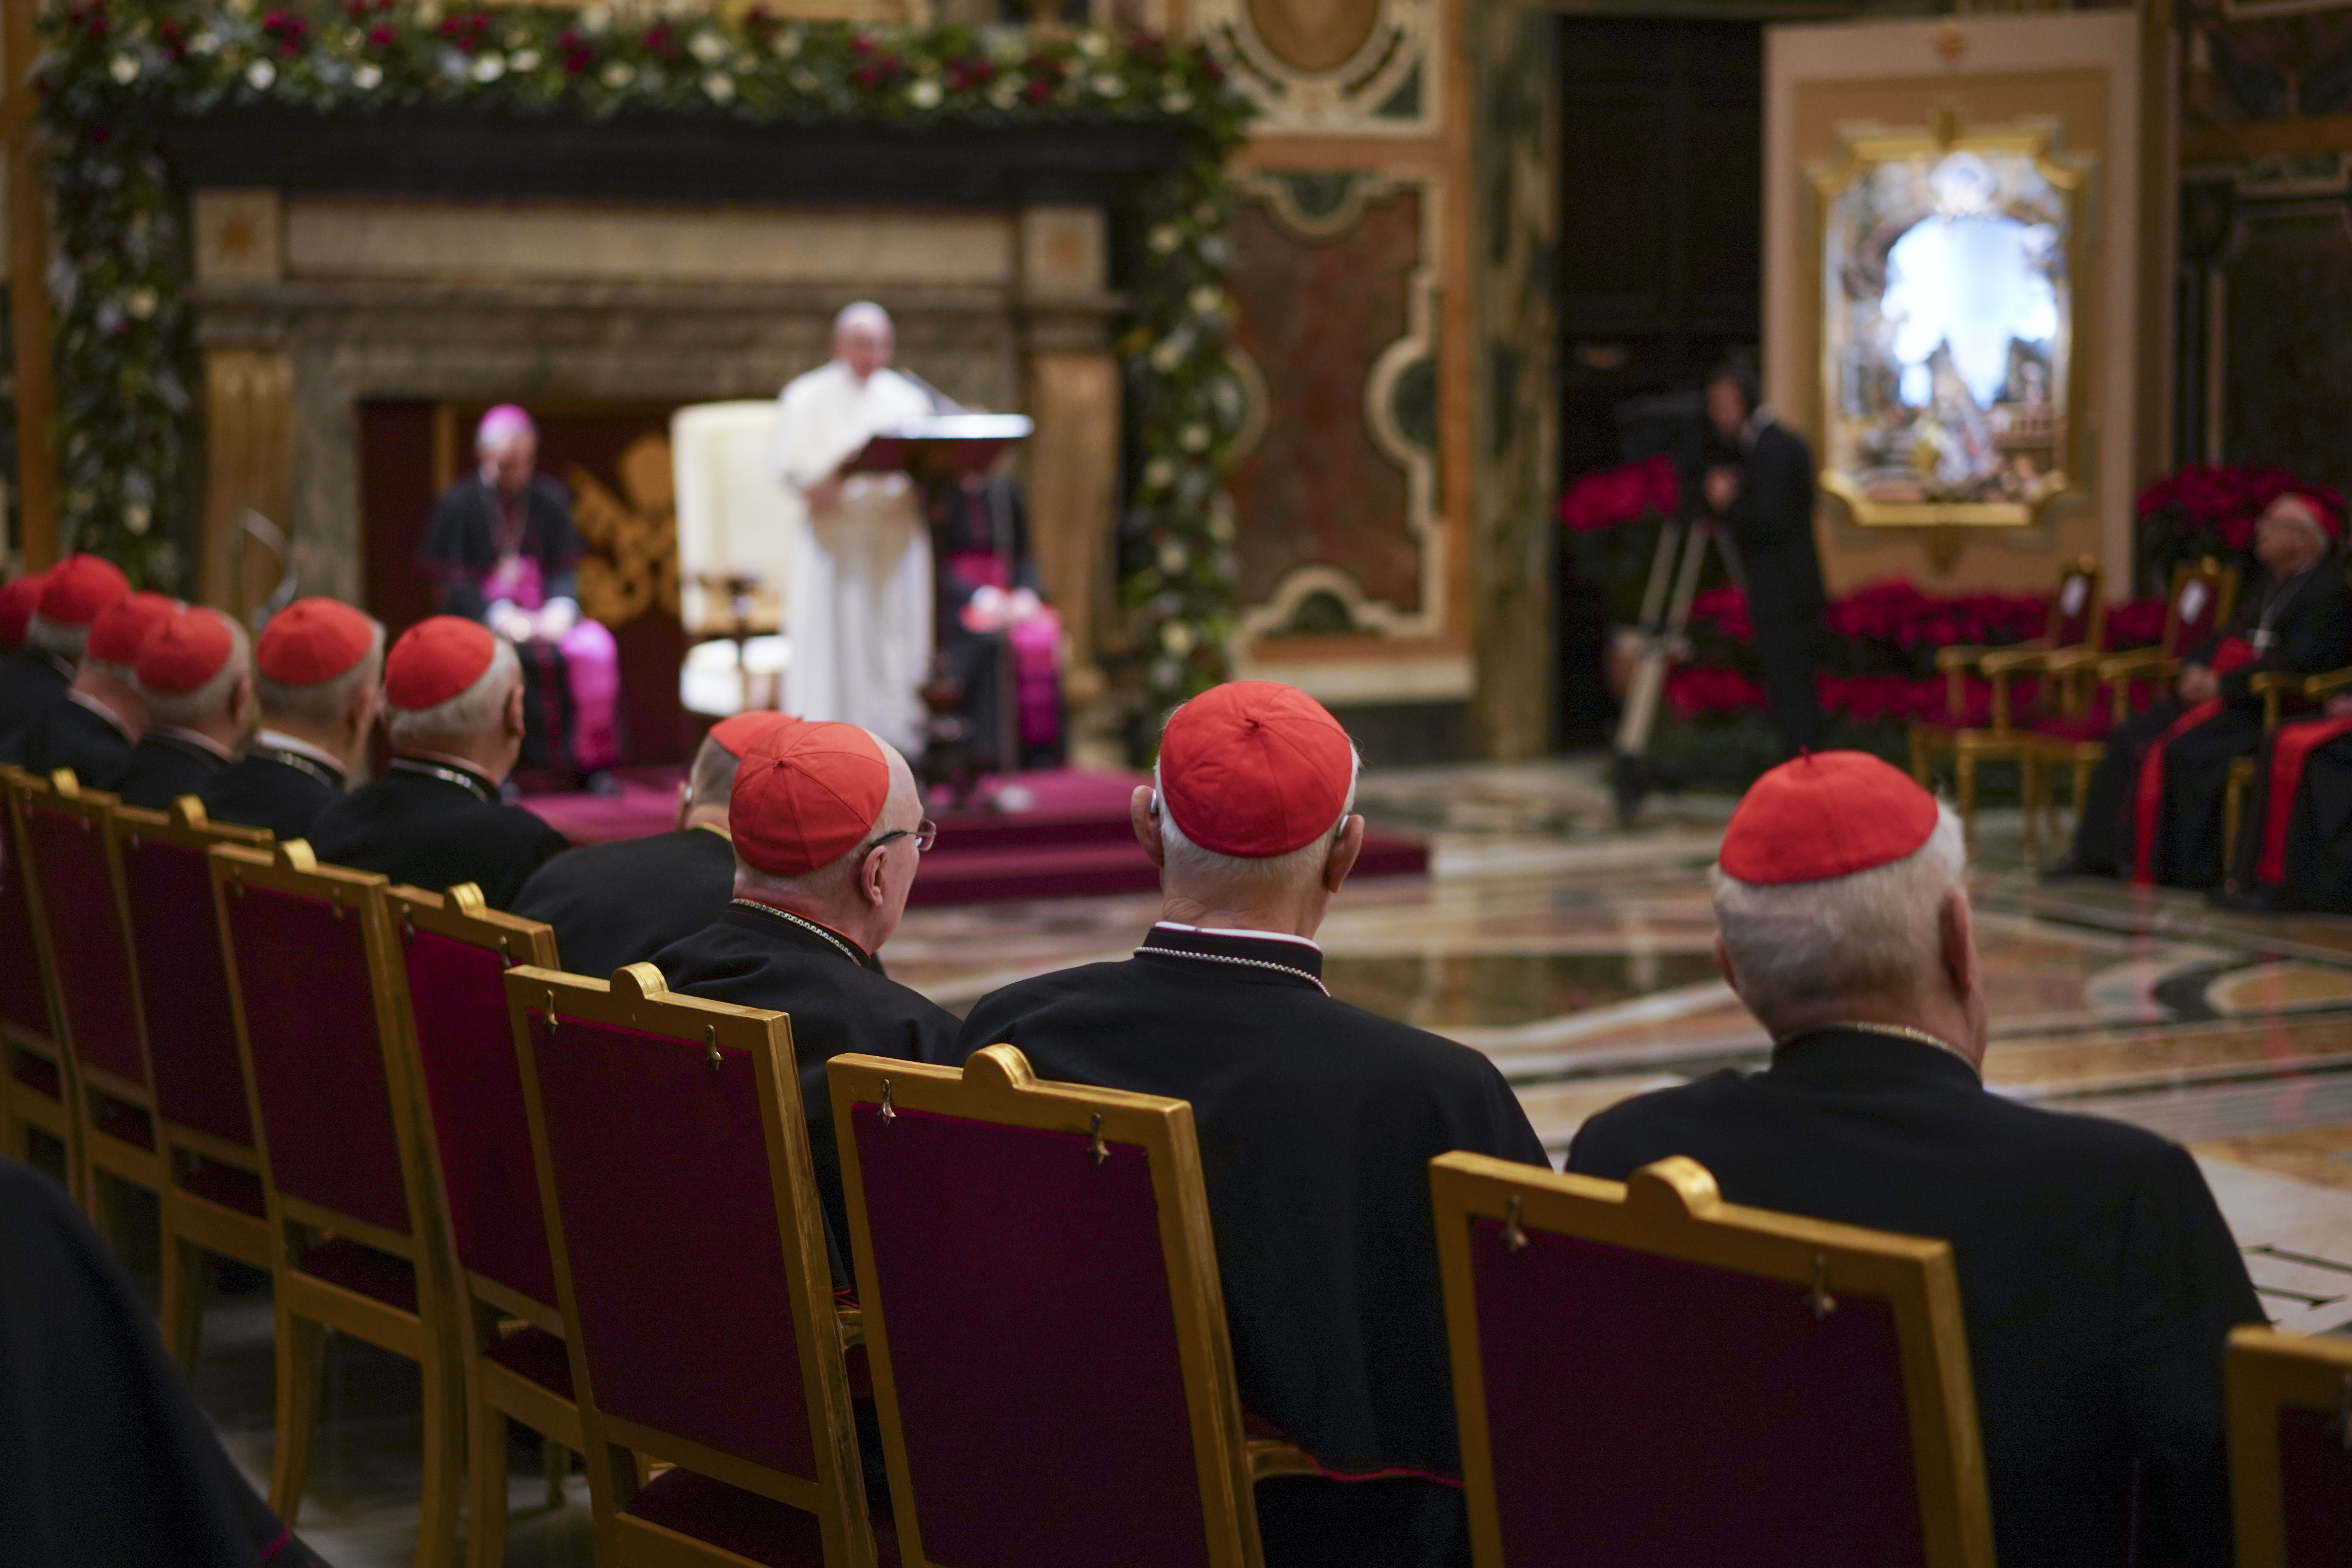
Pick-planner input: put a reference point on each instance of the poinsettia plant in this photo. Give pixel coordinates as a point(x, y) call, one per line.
point(2202, 509)
point(1610, 520)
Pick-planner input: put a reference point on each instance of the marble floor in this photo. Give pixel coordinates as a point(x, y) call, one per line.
point(1577, 956)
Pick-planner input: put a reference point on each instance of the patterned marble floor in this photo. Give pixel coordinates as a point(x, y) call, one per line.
point(1577, 956)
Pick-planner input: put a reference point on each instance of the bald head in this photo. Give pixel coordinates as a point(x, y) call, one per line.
point(863, 338)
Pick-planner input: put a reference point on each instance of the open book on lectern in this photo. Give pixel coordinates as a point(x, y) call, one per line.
point(944, 443)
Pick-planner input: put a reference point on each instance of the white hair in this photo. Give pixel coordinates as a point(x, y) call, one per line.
point(1873, 934)
point(829, 883)
point(471, 712)
point(864, 313)
point(57, 636)
point(186, 710)
point(1245, 874)
point(322, 702)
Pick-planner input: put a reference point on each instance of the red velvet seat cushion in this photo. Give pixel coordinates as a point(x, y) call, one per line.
point(37, 1073)
point(176, 947)
point(224, 1184)
point(24, 1000)
point(2075, 726)
point(375, 1274)
point(744, 1522)
point(76, 887)
point(122, 1122)
point(538, 1356)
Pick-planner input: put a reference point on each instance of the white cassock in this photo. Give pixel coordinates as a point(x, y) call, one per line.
point(858, 609)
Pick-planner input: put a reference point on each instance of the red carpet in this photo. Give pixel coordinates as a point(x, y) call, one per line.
point(1072, 839)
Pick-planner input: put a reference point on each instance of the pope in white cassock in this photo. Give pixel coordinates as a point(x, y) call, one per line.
point(858, 609)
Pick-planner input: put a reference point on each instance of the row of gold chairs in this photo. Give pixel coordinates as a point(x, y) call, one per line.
point(589, 1206)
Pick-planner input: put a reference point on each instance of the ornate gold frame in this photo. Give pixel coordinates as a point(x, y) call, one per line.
point(1673, 1210)
point(1828, 183)
point(2267, 1370)
point(996, 1084)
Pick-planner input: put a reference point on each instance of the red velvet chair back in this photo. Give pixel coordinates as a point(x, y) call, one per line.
point(2290, 1448)
point(302, 941)
point(2202, 597)
point(2078, 613)
point(24, 997)
point(689, 1245)
point(73, 897)
point(1664, 1379)
point(455, 954)
point(176, 952)
point(1044, 1317)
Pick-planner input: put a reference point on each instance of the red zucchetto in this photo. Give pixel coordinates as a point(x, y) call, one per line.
point(1827, 814)
point(741, 733)
point(79, 588)
point(1255, 769)
point(19, 597)
point(120, 632)
point(439, 657)
point(312, 640)
point(805, 795)
point(187, 648)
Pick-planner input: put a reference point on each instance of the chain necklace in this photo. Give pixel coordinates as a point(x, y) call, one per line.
point(298, 763)
point(807, 925)
point(1307, 976)
point(1899, 1031)
point(464, 780)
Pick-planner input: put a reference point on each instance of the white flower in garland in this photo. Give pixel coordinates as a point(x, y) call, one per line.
point(804, 80)
point(787, 44)
point(1159, 474)
point(239, 8)
point(205, 42)
point(1170, 352)
point(523, 60)
point(261, 73)
point(1177, 637)
point(1106, 85)
point(123, 68)
point(138, 516)
point(719, 86)
point(1194, 438)
point(140, 303)
point(1176, 103)
point(1166, 674)
point(1165, 238)
point(617, 74)
point(707, 46)
point(488, 69)
point(1092, 43)
point(1006, 92)
point(923, 92)
point(366, 77)
point(1172, 558)
point(1205, 300)
point(597, 20)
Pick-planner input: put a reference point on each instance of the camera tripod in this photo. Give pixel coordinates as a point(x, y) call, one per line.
point(1675, 571)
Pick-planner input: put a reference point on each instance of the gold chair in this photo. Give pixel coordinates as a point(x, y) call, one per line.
point(2197, 605)
point(354, 1237)
point(216, 1204)
point(36, 1087)
point(690, 1260)
point(476, 1140)
point(2275, 687)
point(2290, 1448)
point(1973, 730)
point(996, 1219)
point(1646, 1376)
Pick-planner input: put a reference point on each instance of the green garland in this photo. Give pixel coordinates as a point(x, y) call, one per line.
point(116, 72)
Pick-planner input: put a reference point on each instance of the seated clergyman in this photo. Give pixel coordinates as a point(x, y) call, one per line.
point(63, 602)
point(320, 679)
point(453, 697)
point(194, 675)
point(827, 824)
point(96, 726)
point(2097, 1278)
point(1317, 1120)
point(620, 903)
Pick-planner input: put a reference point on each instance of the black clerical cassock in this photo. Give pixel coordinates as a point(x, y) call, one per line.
point(1317, 1123)
point(31, 683)
point(1771, 520)
point(280, 786)
point(620, 903)
point(755, 956)
point(432, 825)
point(77, 734)
point(2154, 808)
point(2097, 1278)
point(167, 764)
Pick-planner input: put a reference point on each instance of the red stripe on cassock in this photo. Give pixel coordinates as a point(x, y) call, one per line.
point(2147, 796)
point(2289, 750)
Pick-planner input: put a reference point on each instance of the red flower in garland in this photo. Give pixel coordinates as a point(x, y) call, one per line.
point(1620, 495)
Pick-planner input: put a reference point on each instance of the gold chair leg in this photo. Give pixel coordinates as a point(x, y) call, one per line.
point(2030, 787)
point(1919, 763)
point(181, 1312)
point(301, 1356)
point(1964, 770)
point(555, 1462)
point(2233, 809)
point(445, 1454)
point(486, 1466)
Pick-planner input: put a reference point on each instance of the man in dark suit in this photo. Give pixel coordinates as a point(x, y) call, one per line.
point(194, 675)
point(827, 824)
point(1316, 1122)
point(2097, 1278)
point(620, 903)
point(320, 680)
point(97, 726)
point(2153, 812)
point(1764, 493)
point(34, 677)
point(453, 693)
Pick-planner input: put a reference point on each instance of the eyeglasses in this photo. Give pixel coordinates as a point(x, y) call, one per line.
point(925, 835)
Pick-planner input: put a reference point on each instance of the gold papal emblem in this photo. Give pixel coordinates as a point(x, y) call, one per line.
point(631, 561)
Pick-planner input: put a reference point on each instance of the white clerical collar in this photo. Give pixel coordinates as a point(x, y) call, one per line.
point(280, 741)
point(195, 737)
point(1236, 932)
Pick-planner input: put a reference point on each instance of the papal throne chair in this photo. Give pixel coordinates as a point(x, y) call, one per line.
point(1989, 722)
point(217, 1206)
point(1045, 1320)
point(354, 1236)
point(37, 1094)
point(690, 1261)
point(2290, 1448)
point(1647, 1375)
point(2075, 737)
point(455, 1041)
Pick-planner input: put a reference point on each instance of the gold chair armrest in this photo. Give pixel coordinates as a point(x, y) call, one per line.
point(2012, 660)
point(851, 1322)
point(2139, 664)
point(1960, 656)
point(2261, 683)
point(2071, 661)
point(2325, 683)
point(1270, 1457)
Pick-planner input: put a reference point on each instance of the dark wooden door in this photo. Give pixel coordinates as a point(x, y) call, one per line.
point(1660, 260)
